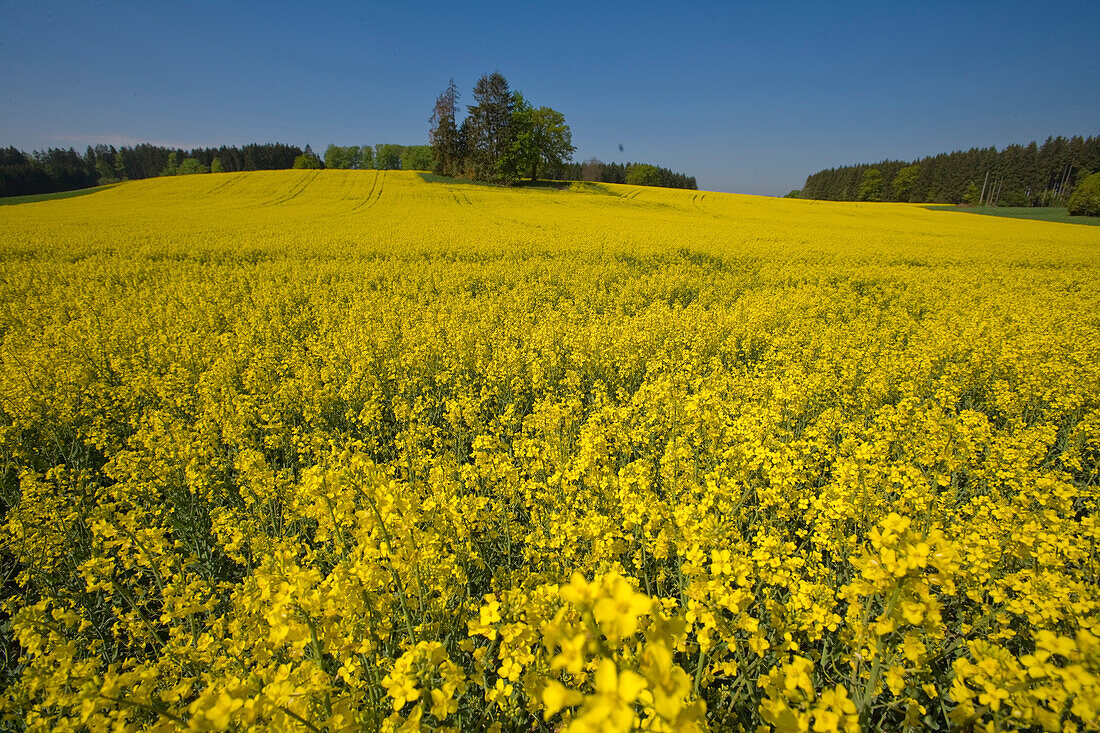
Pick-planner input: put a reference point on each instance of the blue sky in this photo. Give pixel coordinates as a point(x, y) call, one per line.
point(747, 97)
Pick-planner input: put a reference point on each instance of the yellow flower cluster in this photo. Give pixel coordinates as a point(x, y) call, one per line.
point(347, 450)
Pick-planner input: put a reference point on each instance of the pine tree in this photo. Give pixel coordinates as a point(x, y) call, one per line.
point(444, 137)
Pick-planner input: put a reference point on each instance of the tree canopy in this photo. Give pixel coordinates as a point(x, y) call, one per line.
point(308, 161)
point(191, 166)
point(870, 185)
point(387, 157)
point(502, 138)
point(903, 182)
point(171, 168)
point(416, 158)
point(643, 175)
point(343, 158)
point(1085, 200)
point(489, 132)
point(540, 138)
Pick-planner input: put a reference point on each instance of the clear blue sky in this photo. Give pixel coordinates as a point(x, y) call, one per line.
point(748, 97)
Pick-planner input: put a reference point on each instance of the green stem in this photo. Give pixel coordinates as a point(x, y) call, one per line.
point(319, 654)
point(393, 571)
point(151, 708)
point(876, 666)
point(300, 719)
point(144, 619)
point(156, 575)
point(699, 669)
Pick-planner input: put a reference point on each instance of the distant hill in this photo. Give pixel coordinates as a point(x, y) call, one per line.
point(1017, 175)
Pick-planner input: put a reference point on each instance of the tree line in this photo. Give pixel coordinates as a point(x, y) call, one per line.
point(65, 169)
point(1017, 175)
point(60, 169)
point(636, 174)
point(386, 157)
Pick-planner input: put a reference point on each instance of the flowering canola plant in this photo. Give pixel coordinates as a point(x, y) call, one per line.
point(346, 450)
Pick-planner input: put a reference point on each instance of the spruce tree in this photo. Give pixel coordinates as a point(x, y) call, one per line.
point(490, 128)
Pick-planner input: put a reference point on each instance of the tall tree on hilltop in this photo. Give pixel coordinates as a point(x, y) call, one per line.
point(490, 129)
point(444, 134)
point(540, 137)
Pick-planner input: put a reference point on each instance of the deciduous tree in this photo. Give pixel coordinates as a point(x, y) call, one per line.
point(643, 174)
point(366, 157)
point(416, 158)
point(172, 168)
point(591, 169)
point(387, 157)
point(308, 160)
point(342, 158)
point(190, 166)
point(540, 138)
point(870, 185)
point(1085, 200)
point(903, 182)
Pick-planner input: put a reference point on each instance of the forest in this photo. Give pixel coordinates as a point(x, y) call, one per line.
point(60, 169)
point(1017, 175)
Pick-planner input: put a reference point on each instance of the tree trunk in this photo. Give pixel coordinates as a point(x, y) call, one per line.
point(534, 170)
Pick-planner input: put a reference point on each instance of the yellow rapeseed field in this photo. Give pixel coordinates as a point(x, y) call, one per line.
point(344, 450)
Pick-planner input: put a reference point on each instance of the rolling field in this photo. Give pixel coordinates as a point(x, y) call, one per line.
point(35, 198)
point(1036, 213)
point(343, 450)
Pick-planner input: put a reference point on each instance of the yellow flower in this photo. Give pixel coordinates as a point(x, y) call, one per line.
point(556, 696)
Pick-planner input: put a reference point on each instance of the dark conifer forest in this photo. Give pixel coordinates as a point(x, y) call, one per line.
point(1017, 175)
point(58, 169)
